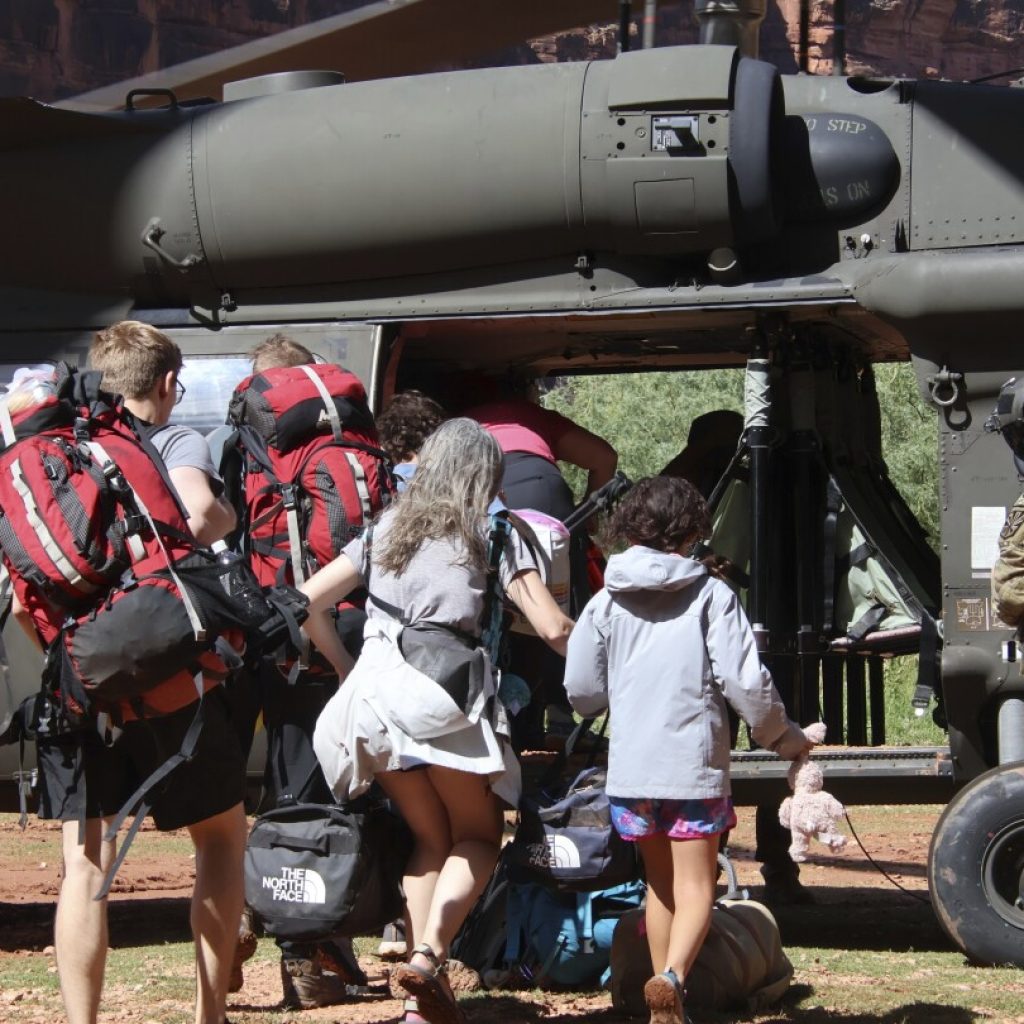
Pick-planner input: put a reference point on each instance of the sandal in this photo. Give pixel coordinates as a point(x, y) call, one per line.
point(664, 997)
point(411, 1012)
point(435, 1002)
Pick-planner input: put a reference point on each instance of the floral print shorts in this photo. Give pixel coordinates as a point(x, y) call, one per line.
point(678, 819)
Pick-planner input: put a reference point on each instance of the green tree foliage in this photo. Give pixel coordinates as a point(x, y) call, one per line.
point(646, 417)
point(910, 443)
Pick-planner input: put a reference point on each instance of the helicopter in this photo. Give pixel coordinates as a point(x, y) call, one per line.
point(676, 208)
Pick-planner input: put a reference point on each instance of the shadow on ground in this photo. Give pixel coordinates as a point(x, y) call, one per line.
point(843, 918)
point(133, 922)
point(510, 1010)
point(863, 918)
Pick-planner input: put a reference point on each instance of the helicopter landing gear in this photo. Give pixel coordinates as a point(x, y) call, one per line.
point(976, 867)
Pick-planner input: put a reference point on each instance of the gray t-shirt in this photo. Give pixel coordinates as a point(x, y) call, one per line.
point(181, 446)
point(435, 586)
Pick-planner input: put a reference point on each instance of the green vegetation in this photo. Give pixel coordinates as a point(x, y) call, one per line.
point(647, 417)
point(903, 728)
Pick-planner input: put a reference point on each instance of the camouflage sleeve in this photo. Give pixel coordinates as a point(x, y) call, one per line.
point(1008, 572)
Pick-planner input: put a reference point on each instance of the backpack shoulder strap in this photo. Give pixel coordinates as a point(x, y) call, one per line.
point(325, 395)
point(491, 618)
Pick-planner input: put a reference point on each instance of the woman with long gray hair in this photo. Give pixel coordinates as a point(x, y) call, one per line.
point(441, 753)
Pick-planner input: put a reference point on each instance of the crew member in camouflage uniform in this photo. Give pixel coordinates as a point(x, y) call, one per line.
point(1008, 572)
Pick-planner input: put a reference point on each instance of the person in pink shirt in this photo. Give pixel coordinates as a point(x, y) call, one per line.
point(534, 440)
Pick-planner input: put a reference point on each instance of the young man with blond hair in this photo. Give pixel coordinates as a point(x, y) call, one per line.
point(279, 350)
point(82, 778)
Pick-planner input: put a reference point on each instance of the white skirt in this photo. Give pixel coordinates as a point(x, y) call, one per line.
point(388, 716)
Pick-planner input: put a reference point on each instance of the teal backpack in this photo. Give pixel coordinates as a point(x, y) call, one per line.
point(565, 939)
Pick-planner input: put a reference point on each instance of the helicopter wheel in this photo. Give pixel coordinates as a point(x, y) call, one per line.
point(976, 867)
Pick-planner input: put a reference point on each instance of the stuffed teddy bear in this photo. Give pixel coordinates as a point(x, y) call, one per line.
point(810, 813)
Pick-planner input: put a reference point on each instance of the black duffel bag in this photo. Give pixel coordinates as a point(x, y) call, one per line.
point(313, 870)
point(565, 838)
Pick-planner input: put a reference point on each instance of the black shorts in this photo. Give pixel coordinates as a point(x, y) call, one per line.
point(82, 770)
point(530, 481)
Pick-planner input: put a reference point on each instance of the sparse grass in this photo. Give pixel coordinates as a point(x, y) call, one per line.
point(877, 983)
point(15, 845)
point(902, 726)
point(875, 986)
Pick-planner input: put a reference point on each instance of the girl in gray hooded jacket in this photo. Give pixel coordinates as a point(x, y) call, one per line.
point(664, 646)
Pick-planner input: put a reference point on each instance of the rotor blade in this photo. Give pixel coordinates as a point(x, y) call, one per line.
point(380, 40)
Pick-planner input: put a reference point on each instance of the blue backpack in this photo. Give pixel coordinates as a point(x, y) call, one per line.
point(562, 938)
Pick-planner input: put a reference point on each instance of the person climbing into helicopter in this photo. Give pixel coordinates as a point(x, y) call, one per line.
point(534, 440)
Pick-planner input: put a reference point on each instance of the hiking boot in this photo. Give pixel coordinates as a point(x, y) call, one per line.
point(411, 1012)
point(307, 985)
point(392, 943)
point(245, 947)
point(337, 956)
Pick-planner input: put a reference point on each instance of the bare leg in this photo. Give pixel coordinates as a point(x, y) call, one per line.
point(421, 807)
point(476, 825)
point(656, 852)
point(216, 907)
point(695, 864)
point(80, 931)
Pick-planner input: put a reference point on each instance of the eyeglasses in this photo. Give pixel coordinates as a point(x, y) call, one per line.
point(179, 390)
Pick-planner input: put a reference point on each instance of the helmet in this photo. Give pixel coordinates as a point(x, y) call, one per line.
point(1008, 419)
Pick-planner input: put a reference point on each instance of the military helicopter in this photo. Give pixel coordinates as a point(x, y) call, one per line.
point(677, 208)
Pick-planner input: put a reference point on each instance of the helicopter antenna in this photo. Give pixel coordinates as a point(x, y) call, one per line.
point(650, 17)
point(625, 16)
point(803, 53)
point(839, 38)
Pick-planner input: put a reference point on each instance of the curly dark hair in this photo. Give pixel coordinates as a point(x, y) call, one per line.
point(661, 512)
point(410, 418)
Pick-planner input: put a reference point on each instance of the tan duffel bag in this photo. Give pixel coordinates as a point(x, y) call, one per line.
point(740, 966)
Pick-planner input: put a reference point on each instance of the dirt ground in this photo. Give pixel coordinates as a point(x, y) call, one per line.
point(856, 908)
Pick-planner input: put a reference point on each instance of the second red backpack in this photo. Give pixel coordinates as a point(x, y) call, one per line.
point(313, 472)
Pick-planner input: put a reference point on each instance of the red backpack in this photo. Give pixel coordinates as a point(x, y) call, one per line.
point(313, 472)
point(95, 540)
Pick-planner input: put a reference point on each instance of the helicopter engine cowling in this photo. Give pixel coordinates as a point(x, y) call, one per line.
point(667, 152)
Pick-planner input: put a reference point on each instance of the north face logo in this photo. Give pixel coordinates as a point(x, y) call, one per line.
point(555, 852)
point(297, 885)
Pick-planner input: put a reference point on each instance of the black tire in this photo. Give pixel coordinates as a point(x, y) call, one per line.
point(976, 867)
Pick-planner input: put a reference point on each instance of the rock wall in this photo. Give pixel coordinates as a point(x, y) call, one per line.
point(55, 48)
point(955, 39)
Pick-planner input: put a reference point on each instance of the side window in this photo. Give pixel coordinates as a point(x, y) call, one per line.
point(209, 381)
point(7, 370)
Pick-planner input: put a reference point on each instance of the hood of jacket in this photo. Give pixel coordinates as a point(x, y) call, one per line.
point(640, 568)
